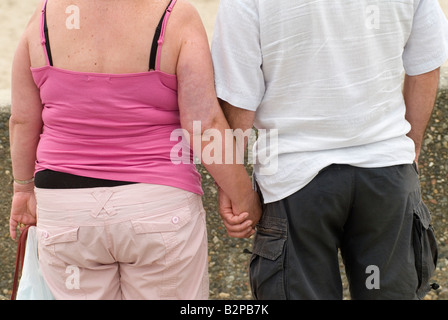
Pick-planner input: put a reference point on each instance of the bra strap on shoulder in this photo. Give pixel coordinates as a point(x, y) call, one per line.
point(45, 41)
point(162, 33)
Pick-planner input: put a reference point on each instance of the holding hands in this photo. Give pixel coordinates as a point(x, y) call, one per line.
point(240, 221)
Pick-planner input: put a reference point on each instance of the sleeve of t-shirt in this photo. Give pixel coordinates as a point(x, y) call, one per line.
point(427, 46)
point(236, 53)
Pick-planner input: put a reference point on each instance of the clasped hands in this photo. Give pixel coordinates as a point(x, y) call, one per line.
point(240, 219)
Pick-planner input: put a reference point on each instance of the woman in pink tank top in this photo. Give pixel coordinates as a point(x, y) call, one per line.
point(100, 91)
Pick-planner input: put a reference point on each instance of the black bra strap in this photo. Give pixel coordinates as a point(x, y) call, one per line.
point(47, 38)
point(155, 40)
point(154, 47)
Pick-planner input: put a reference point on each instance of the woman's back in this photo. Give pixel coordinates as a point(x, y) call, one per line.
point(107, 36)
point(105, 114)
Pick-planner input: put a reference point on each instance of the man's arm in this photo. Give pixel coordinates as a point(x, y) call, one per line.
point(239, 80)
point(234, 223)
point(419, 95)
point(238, 118)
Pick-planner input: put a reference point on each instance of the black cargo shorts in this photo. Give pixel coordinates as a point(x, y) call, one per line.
point(374, 216)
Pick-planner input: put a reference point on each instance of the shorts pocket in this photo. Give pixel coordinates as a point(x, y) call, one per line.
point(55, 242)
point(267, 261)
point(425, 248)
point(163, 222)
point(54, 235)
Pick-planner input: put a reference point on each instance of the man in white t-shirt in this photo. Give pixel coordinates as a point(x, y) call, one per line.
point(340, 134)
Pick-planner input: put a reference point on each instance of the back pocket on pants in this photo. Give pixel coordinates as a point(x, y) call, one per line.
point(425, 248)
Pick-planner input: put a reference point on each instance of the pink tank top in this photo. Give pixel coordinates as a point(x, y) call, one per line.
point(112, 126)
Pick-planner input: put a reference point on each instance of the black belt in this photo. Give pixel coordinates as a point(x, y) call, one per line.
point(49, 179)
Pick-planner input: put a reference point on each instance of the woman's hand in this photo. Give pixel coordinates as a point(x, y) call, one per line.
point(23, 208)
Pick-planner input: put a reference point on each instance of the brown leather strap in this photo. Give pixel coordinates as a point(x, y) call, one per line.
point(19, 261)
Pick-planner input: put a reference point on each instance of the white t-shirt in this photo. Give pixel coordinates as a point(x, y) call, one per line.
point(326, 77)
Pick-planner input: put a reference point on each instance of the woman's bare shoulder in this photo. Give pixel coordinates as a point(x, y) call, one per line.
point(187, 14)
point(186, 6)
point(34, 21)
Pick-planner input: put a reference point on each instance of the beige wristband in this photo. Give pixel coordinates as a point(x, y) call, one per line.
point(23, 182)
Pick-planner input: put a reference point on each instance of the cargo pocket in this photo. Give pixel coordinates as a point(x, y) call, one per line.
point(54, 242)
point(425, 248)
point(267, 261)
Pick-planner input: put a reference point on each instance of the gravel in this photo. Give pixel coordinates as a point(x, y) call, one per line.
point(228, 262)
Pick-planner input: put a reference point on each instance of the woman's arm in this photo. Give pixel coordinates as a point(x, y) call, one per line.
point(198, 102)
point(25, 126)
